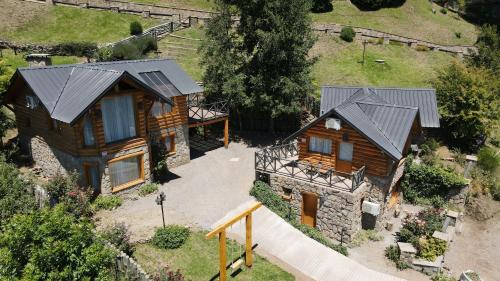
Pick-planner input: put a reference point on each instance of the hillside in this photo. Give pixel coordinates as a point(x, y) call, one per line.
point(36, 23)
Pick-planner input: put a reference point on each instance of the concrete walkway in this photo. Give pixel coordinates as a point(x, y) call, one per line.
point(278, 240)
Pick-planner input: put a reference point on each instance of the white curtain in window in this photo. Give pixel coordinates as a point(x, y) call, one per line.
point(88, 132)
point(124, 171)
point(345, 151)
point(320, 145)
point(118, 117)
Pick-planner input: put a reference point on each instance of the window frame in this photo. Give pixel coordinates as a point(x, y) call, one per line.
point(319, 152)
point(163, 104)
point(136, 117)
point(129, 184)
point(352, 151)
point(172, 142)
point(94, 131)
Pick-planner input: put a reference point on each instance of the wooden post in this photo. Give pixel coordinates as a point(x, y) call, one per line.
point(248, 244)
point(222, 258)
point(226, 133)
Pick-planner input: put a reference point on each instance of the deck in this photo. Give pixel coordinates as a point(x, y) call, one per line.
point(202, 112)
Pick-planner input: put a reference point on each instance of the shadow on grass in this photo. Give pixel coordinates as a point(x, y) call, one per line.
point(234, 273)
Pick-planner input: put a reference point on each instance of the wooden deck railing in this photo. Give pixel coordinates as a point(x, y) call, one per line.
point(200, 110)
point(283, 160)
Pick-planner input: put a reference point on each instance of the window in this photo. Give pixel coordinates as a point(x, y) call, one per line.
point(125, 172)
point(160, 108)
point(345, 151)
point(118, 117)
point(169, 143)
point(88, 132)
point(92, 176)
point(320, 145)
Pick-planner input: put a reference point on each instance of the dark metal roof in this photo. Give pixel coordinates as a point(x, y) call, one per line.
point(424, 99)
point(68, 90)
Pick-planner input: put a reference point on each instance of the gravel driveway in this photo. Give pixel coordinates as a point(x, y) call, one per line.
point(202, 192)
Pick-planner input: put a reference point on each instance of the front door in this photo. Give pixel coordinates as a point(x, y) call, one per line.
point(309, 209)
point(344, 157)
point(93, 177)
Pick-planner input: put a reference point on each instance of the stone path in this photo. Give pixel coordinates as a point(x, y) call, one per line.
point(278, 240)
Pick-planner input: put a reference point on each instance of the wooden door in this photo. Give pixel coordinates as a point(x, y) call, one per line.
point(395, 195)
point(344, 157)
point(309, 209)
point(92, 177)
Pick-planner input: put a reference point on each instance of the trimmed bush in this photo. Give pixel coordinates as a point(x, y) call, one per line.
point(118, 235)
point(170, 237)
point(431, 248)
point(443, 11)
point(347, 34)
point(108, 202)
point(79, 49)
point(322, 6)
point(148, 189)
point(135, 48)
point(135, 28)
point(263, 193)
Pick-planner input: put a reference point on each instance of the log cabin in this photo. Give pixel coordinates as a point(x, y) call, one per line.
point(341, 171)
point(102, 119)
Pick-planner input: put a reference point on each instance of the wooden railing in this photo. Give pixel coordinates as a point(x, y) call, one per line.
point(200, 110)
point(283, 160)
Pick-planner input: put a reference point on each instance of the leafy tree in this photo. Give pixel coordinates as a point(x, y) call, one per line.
point(135, 28)
point(373, 5)
point(52, 245)
point(468, 100)
point(5, 122)
point(223, 78)
point(322, 6)
point(488, 49)
point(15, 193)
point(276, 37)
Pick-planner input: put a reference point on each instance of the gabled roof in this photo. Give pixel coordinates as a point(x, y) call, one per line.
point(385, 125)
point(423, 99)
point(67, 91)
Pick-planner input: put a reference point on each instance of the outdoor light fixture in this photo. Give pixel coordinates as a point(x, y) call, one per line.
point(159, 201)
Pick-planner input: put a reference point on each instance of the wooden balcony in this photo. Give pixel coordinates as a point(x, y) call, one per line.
point(283, 160)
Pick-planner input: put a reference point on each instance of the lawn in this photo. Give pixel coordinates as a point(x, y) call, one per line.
point(338, 62)
point(414, 19)
point(190, 4)
point(62, 24)
point(198, 259)
point(14, 61)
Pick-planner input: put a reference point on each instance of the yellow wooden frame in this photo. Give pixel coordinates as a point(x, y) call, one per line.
point(141, 171)
point(221, 231)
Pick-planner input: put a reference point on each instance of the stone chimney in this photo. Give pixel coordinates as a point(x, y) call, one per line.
point(38, 60)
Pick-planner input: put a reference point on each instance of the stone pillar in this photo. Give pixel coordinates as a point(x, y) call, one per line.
point(407, 252)
point(146, 14)
point(386, 40)
point(413, 45)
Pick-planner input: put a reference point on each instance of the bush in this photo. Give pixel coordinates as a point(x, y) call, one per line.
point(79, 49)
point(135, 28)
point(442, 277)
point(148, 189)
point(108, 202)
point(392, 253)
point(429, 146)
point(65, 190)
point(488, 159)
point(52, 245)
point(421, 48)
point(431, 248)
point(16, 195)
point(263, 193)
point(372, 5)
point(135, 48)
point(443, 11)
point(322, 6)
point(118, 235)
point(426, 181)
point(458, 34)
point(347, 34)
point(159, 158)
point(59, 186)
point(165, 274)
point(407, 236)
point(365, 235)
point(170, 237)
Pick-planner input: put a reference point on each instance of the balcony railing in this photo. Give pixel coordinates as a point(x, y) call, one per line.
point(283, 160)
point(200, 110)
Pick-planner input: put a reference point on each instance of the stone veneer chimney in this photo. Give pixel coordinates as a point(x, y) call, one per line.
point(38, 60)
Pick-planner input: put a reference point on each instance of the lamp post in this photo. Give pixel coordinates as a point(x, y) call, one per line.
point(159, 201)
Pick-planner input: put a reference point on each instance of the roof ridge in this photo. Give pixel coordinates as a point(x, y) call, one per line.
point(402, 88)
point(388, 104)
point(62, 91)
point(91, 64)
point(100, 69)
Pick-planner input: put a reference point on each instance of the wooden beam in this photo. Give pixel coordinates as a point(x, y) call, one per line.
point(197, 124)
point(226, 133)
point(248, 243)
point(236, 218)
point(222, 256)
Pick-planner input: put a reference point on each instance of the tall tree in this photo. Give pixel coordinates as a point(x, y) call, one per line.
point(223, 78)
point(5, 122)
point(276, 37)
point(488, 49)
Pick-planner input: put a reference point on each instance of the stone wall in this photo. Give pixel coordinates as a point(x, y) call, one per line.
point(458, 197)
point(53, 161)
point(182, 155)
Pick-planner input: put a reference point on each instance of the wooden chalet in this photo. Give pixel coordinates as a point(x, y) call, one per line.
point(101, 119)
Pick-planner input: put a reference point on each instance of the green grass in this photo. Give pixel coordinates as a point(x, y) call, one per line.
point(339, 63)
point(63, 24)
point(198, 259)
point(15, 61)
point(189, 4)
point(414, 19)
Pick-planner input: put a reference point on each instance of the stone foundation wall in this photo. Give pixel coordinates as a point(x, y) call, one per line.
point(53, 161)
point(182, 154)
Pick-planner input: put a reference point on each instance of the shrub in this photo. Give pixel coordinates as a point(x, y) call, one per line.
point(79, 49)
point(426, 181)
point(170, 237)
point(407, 236)
point(488, 159)
point(421, 48)
point(431, 248)
point(108, 202)
point(347, 34)
point(429, 146)
point(442, 277)
point(322, 6)
point(135, 48)
point(165, 274)
point(392, 253)
point(148, 189)
point(443, 11)
point(52, 245)
point(458, 34)
point(15, 193)
point(65, 190)
point(159, 158)
point(372, 5)
point(365, 235)
point(60, 185)
point(135, 28)
point(118, 235)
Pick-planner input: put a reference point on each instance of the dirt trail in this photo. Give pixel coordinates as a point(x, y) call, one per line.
point(15, 13)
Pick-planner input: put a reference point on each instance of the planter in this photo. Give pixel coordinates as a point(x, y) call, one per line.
point(470, 275)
